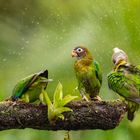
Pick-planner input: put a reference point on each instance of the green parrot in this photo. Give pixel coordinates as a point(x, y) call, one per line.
point(88, 73)
point(30, 88)
point(125, 80)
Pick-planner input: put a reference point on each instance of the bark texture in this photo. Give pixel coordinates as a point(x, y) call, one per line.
point(86, 115)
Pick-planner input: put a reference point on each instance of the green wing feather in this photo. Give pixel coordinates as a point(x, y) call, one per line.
point(22, 86)
point(126, 82)
point(98, 71)
point(131, 68)
point(125, 85)
point(93, 80)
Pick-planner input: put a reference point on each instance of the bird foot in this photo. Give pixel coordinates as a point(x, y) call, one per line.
point(10, 108)
point(97, 98)
point(85, 98)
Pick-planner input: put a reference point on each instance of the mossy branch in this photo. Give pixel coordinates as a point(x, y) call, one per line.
point(86, 115)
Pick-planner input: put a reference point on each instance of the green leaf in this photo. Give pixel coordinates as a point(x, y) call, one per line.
point(58, 94)
point(56, 108)
point(67, 99)
point(47, 99)
point(61, 116)
point(51, 114)
point(61, 110)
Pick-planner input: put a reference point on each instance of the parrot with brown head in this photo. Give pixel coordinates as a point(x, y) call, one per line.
point(88, 73)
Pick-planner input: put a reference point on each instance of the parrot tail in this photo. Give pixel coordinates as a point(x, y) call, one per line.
point(136, 100)
point(132, 107)
point(130, 115)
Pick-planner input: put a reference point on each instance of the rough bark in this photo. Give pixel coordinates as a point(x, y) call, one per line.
point(86, 115)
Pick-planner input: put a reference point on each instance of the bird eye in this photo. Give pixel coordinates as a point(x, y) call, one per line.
point(79, 50)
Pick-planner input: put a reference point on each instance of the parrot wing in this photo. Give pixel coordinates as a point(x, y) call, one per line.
point(23, 85)
point(124, 85)
point(131, 68)
point(98, 71)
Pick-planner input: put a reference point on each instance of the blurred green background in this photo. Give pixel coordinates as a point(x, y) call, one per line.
point(40, 34)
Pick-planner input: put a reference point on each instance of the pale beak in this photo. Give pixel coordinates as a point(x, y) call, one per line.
point(73, 53)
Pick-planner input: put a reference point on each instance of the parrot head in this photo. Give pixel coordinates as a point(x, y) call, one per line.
point(80, 52)
point(119, 56)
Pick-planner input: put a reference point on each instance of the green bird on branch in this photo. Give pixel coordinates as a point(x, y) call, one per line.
point(30, 88)
point(125, 80)
point(88, 73)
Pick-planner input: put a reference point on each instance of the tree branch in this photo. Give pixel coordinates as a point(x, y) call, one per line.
point(86, 115)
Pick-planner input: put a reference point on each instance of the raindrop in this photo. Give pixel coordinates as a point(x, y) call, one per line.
point(64, 30)
point(116, 22)
point(27, 41)
point(23, 13)
point(35, 35)
point(114, 11)
point(58, 15)
point(13, 52)
point(22, 48)
point(4, 59)
point(101, 18)
point(19, 53)
point(61, 37)
point(5, 8)
point(26, 8)
point(23, 39)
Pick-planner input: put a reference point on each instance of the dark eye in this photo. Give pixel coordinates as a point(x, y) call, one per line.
point(79, 50)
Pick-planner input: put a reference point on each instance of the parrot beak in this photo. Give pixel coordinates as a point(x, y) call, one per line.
point(73, 53)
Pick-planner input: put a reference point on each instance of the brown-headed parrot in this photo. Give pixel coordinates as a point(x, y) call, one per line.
point(88, 73)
